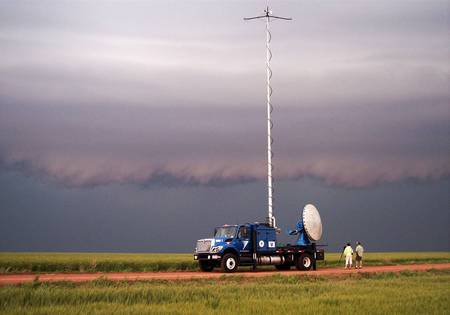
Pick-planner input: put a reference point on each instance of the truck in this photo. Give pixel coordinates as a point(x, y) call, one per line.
point(254, 244)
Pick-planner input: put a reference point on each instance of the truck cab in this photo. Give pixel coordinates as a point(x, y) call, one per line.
point(232, 241)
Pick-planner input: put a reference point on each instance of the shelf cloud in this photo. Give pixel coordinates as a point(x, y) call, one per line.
point(353, 147)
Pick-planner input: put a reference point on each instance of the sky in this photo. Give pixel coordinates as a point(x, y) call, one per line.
point(139, 126)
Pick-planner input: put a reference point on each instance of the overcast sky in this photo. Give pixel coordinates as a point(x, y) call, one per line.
point(140, 125)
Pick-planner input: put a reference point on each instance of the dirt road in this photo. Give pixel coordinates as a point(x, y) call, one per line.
point(184, 275)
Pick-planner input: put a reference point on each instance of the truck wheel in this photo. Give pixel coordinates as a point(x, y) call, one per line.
point(304, 262)
point(206, 265)
point(229, 263)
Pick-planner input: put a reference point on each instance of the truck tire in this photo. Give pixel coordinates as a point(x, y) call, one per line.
point(206, 265)
point(304, 262)
point(229, 263)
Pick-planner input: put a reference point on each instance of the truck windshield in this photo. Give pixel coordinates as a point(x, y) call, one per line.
point(225, 232)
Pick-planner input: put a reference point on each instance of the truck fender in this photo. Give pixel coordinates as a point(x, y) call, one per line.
point(232, 251)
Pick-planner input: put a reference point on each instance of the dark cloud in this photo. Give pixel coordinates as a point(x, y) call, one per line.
point(350, 146)
point(35, 216)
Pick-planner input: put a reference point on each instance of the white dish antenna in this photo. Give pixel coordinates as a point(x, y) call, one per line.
point(312, 222)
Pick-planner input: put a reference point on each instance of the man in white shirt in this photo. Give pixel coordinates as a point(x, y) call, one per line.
point(348, 253)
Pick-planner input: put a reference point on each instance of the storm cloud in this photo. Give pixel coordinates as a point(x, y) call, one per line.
point(124, 124)
point(347, 146)
point(360, 98)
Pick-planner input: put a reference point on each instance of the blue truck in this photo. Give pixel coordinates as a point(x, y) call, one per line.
point(254, 244)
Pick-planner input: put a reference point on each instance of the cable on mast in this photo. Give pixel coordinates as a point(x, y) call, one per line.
point(270, 190)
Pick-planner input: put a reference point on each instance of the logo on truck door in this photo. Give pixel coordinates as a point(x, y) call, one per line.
point(245, 244)
point(261, 243)
point(271, 244)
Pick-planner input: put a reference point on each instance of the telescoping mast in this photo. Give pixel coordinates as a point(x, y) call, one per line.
point(270, 219)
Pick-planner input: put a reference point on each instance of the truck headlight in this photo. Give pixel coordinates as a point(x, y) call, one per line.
point(216, 249)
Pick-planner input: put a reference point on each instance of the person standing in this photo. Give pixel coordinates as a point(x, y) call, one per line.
point(348, 252)
point(359, 255)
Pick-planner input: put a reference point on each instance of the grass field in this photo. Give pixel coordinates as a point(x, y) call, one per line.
point(109, 262)
point(402, 293)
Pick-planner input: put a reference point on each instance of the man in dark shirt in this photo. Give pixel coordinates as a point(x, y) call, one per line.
point(359, 255)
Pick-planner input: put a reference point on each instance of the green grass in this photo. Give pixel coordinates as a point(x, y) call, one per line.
point(389, 293)
point(112, 262)
point(93, 262)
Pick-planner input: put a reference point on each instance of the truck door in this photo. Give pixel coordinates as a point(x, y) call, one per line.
point(244, 241)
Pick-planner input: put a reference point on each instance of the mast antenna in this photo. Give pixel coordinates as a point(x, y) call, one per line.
point(270, 219)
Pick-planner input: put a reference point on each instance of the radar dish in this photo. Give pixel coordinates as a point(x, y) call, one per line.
point(312, 222)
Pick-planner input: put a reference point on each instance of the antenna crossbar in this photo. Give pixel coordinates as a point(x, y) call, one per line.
point(268, 15)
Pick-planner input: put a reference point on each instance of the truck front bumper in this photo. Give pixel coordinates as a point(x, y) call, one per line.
point(207, 256)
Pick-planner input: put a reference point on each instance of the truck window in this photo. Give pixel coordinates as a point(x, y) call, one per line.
point(225, 232)
point(243, 232)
